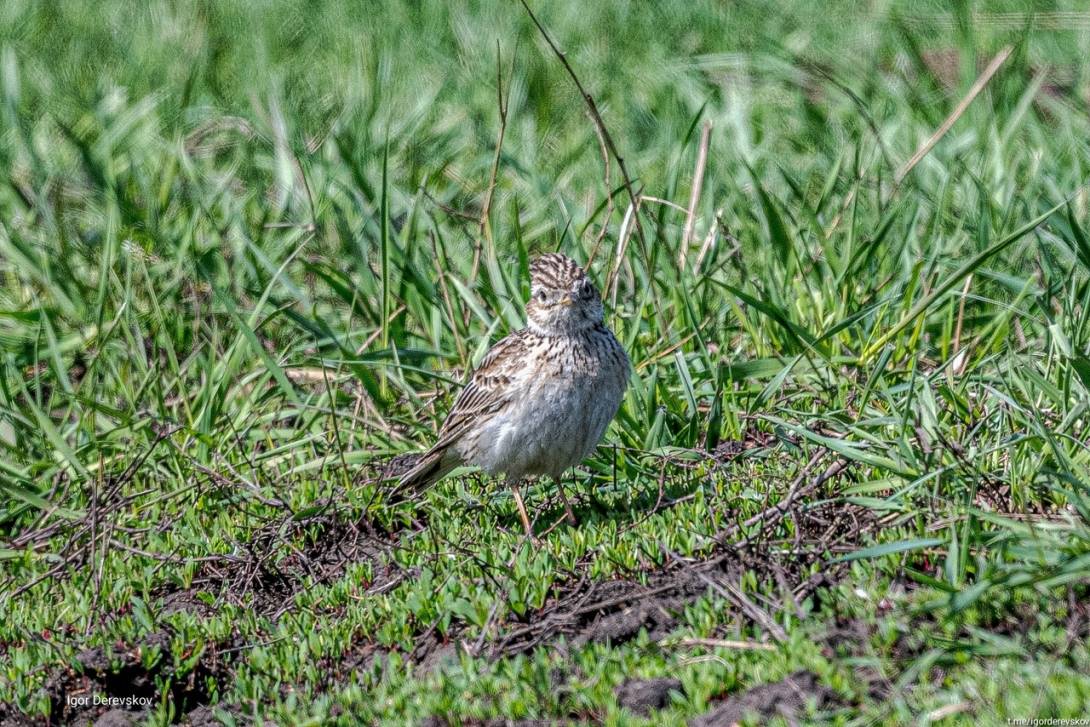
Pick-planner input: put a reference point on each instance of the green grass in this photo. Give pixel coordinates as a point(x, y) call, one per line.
point(243, 264)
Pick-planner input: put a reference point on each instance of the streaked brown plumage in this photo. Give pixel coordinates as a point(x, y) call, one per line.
point(543, 396)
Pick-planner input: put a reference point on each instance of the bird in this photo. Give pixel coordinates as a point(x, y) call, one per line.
point(542, 397)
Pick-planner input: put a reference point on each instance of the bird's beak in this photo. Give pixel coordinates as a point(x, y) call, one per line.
point(566, 301)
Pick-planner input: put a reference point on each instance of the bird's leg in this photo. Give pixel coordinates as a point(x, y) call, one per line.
point(522, 510)
point(569, 515)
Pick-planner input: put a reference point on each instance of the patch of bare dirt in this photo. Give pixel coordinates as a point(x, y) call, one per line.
point(606, 611)
point(616, 611)
point(643, 696)
point(787, 698)
point(790, 698)
point(205, 716)
point(281, 559)
point(125, 675)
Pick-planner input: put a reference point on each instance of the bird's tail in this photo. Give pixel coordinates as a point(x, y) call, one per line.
point(432, 466)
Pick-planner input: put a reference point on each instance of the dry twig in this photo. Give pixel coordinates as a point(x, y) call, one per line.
point(728, 644)
point(950, 120)
point(592, 107)
point(485, 229)
point(694, 195)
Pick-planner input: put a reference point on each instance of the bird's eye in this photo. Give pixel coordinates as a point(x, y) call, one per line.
point(540, 296)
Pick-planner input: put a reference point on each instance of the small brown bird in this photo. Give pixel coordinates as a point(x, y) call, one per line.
point(542, 397)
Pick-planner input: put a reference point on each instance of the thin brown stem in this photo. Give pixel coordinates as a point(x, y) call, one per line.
point(485, 229)
point(950, 120)
point(522, 511)
point(609, 197)
point(592, 107)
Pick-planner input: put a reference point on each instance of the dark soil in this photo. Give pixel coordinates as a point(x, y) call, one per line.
point(787, 698)
point(120, 674)
point(606, 611)
point(275, 565)
point(119, 718)
point(616, 611)
point(644, 695)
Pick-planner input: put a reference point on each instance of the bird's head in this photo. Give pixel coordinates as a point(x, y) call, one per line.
point(562, 298)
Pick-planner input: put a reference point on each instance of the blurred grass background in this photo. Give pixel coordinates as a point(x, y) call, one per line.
point(237, 274)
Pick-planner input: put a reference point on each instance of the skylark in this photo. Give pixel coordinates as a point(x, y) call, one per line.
point(542, 397)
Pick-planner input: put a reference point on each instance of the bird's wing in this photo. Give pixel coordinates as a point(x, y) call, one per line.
point(489, 389)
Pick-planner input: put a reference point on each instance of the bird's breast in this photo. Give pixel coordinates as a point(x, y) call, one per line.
point(565, 399)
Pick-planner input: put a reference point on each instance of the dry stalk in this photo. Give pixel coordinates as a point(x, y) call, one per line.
point(694, 195)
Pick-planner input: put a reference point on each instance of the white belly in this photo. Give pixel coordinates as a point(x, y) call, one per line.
point(557, 421)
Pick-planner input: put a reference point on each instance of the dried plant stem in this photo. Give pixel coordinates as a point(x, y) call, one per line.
point(485, 229)
point(950, 120)
point(694, 195)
